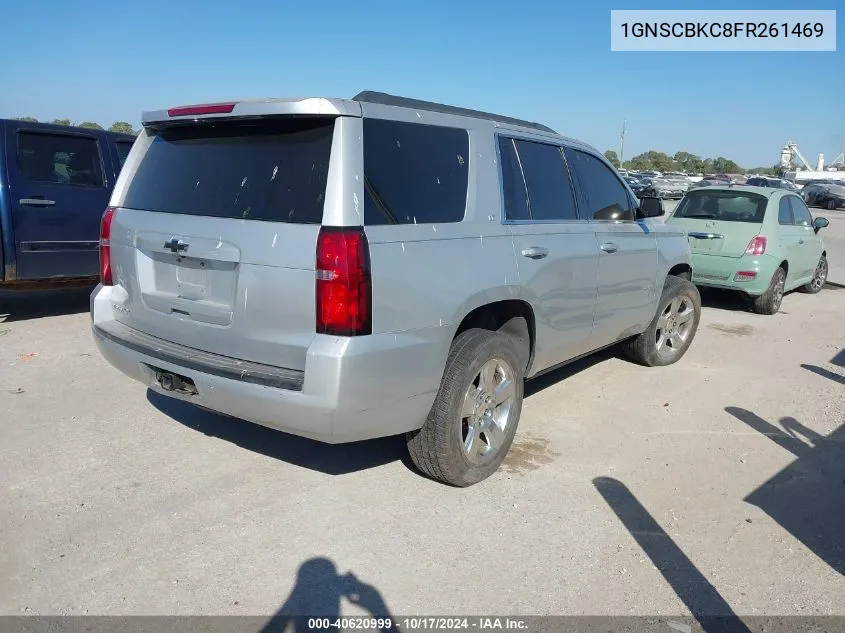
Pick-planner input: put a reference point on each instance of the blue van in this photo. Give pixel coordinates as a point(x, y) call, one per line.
point(55, 184)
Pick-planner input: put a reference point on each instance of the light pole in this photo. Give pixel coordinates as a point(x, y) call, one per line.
point(622, 143)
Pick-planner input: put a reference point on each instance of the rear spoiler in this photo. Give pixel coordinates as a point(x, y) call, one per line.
point(311, 106)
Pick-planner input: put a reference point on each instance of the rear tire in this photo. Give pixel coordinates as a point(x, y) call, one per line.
point(670, 333)
point(831, 204)
point(769, 302)
point(819, 278)
point(473, 421)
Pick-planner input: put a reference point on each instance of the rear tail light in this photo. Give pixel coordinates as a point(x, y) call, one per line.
point(105, 247)
point(757, 245)
point(343, 286)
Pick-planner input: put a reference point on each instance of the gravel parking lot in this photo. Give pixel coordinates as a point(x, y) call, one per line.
point(716, 485)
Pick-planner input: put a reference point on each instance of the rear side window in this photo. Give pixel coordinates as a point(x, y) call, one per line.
point(725, 206)
point(605, 196)
point(60, 159)
point(414, 173)
point(122, 148)
point(784, 212)
point(550, 194)
point(513, 184)
point(800, 212)
point(269, 170)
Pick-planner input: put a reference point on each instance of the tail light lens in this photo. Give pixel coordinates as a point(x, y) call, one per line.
point(105, 248)
point(757, 245)
point(344, 287)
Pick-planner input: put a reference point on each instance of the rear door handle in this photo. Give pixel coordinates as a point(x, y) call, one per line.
point(535, 252)
point(37, 202)
point(609, 247)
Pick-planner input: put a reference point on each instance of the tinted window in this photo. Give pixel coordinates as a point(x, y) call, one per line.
point(269, 170)
point(604, 195)
point(756, 182)
point(122, 148)
point(550, 194)
point(800, 212)
point(60, 159)
point(726, 206)
point(513, 185)
point(784, 212)
point(414, 173)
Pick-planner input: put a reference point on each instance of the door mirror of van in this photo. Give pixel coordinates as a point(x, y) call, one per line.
point(820, 223)
point(650, 207)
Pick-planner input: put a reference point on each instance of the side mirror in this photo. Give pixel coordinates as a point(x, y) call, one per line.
point(613, 213)
point(820, 223)
point(650, 208)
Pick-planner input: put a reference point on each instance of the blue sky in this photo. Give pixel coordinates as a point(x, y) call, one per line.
point(548, 61)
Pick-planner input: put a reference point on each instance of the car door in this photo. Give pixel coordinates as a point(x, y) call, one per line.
point(788, 240)
point(555, 250)
point(810, 244)
point(58, 192)
point(627, 251)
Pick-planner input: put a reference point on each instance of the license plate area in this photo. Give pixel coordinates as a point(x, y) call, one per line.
point(191, 278)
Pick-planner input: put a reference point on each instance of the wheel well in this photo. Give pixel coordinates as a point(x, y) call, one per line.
point(684, 271)
point(785, 265)
point(513, 318)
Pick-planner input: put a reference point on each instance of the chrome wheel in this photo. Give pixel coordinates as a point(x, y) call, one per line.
point(675, 325)
point(819, 275)
point(486, 411)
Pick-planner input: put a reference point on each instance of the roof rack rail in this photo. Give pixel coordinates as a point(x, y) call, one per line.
point(382, 98)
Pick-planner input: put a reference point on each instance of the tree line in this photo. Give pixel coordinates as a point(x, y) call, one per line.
point(686, 162)
point(121, 127)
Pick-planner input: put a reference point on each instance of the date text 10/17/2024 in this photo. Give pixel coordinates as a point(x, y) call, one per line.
point(418, 623)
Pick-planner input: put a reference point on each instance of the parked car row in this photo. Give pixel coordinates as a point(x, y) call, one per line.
point(829, 195)
point(348, 269)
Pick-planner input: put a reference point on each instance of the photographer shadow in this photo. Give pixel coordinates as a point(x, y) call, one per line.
point(318, 593)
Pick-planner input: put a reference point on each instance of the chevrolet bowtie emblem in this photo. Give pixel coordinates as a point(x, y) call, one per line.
point(176, 245)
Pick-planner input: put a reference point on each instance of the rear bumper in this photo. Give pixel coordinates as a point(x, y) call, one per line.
point(719, 271)
point(352, 388)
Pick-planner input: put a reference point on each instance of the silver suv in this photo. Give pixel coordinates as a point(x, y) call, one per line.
point(349, 269)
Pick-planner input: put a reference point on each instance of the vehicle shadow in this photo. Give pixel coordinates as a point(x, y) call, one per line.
point(330, 459)
point(807, 498)
point(724, 300)
point(703, 600)
point(317, 594)
point(839, 359)
point(33, 304)
point(548, 379)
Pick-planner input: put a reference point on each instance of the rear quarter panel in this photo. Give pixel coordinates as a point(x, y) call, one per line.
point(428, 277)
point(672, 249)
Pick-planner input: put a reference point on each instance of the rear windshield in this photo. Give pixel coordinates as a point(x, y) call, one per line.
point(269, 170)
point(725, 206)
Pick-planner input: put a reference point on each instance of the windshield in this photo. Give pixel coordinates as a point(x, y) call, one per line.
point(725, 206)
